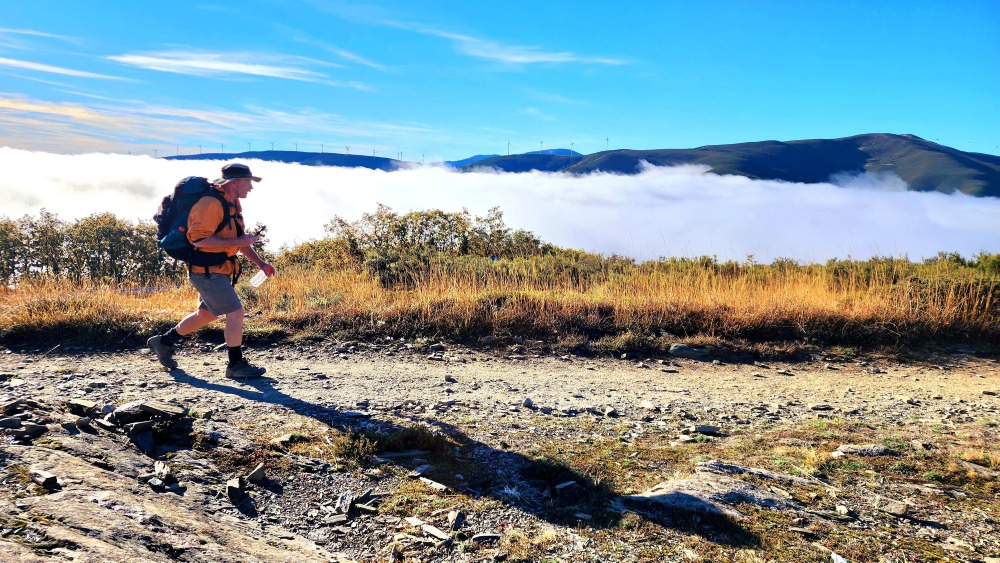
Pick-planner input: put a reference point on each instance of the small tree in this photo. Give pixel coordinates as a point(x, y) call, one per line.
point(45, 238)
point(12, 249)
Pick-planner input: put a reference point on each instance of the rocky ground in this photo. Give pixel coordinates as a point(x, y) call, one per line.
point(415, 451)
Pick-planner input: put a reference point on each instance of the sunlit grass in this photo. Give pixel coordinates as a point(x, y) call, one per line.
point(637, 306)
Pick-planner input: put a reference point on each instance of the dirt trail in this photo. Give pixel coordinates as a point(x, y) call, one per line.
point(390, 375)
point(497, 403)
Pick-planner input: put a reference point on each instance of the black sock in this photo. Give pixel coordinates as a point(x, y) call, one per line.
point(171, 338)
point(235, 354)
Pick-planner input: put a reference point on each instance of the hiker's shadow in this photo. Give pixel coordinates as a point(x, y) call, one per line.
point(260, 391)
point(544, 487)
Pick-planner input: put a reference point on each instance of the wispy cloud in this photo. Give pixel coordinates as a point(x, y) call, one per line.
point(306, 39)
point(36, 124)
point(509, 54)
point(537, 114)
point(552, 98)
point(111, 124)
point(313, 122)
point(216, 64)
point(467, 44)
point(229, 65)
point(7, 32)
point(518, 54)
point(39, 67)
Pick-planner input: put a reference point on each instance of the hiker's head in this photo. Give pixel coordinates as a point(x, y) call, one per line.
point(237, 179)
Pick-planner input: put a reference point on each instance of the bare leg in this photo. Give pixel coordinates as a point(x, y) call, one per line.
point(194, 321)
point(234, 328)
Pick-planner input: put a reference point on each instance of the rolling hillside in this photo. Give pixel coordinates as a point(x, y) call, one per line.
point(924, 165)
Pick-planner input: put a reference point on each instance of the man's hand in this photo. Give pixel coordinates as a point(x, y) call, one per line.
point(267, 268)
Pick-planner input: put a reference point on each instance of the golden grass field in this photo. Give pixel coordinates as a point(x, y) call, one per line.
point(891, 303)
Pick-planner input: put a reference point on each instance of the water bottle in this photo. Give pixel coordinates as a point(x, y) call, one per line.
point(258, 279)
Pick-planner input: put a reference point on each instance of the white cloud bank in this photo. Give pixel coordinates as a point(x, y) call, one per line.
point(679, 211)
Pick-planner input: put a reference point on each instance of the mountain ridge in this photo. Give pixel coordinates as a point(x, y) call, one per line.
point(922, 164)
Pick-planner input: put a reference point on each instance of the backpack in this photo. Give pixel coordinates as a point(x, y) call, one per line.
point(172, 218)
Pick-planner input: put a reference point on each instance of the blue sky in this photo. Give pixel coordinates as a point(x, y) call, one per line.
point(446, 80)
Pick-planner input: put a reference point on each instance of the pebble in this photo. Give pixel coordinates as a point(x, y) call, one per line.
point(893, 507)
point(703, 429)
point(44, 478)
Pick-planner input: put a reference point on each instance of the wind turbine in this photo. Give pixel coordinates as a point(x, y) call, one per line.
point(373, 151)
point(199, 149)
point(248, 146)
point(222, 148)
point(177, 150)
point(539, 147)
point(272, 145)
point(296, 147)
point(154, 152)
point(508, 147)
point(606, 143)
point(571, 146)
point(322, 148)
point(348, 147)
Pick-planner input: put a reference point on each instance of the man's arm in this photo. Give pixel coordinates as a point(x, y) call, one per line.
point(216, 242)
point(252, 255)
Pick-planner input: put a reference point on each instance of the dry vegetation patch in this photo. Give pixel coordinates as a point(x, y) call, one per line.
point(453, 276)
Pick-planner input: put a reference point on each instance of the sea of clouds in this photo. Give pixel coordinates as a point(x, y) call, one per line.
point(679, 211)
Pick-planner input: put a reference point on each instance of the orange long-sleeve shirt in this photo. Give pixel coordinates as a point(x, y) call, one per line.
point(204, 218)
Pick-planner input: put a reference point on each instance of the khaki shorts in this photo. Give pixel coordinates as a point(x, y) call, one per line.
point(216, 292)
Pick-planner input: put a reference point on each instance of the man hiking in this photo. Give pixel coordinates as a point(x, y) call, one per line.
point(214, 269)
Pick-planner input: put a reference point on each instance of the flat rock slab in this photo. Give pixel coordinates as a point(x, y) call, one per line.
point(160, 408)
point(435, 532)
point(708, 493)
point(979, 469)
point(434, 484)
point(10, 422)
point(713, 490)
point(107, 518)
point(864, 450)
point(81, 407)
point(690, 352)
point(723, 467)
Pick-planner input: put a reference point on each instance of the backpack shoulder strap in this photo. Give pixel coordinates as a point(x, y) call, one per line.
point(226, 215)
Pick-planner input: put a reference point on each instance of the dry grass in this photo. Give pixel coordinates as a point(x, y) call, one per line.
point(639, 308)
point(530, 545)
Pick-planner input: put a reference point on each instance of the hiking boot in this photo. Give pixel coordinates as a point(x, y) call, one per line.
point(244, 370)
point(163, 352)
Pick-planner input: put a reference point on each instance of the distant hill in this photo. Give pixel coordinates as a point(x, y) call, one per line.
point(924, 165)
point(560, 152)
point(307, 158)
point(470, 160)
